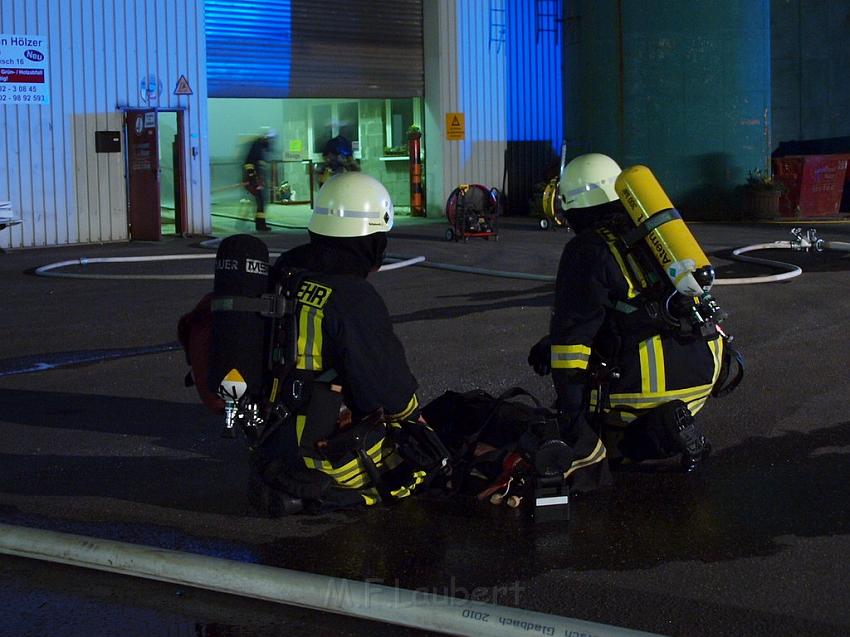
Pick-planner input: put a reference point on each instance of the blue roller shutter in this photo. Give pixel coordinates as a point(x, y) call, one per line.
point(301, 48)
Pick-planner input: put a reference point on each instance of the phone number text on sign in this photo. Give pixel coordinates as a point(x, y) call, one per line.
point(24, 69)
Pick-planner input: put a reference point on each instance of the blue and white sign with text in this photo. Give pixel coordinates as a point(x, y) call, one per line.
point(24, 70)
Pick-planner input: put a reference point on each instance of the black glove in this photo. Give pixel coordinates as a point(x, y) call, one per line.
point(540, 356)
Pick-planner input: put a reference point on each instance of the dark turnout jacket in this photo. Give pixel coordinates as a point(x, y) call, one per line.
point(588, 325)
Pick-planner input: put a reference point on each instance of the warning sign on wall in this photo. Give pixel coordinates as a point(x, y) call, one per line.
point(182, 87)
point(455, 127)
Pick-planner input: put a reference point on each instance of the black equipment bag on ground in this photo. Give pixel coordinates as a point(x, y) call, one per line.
point(508, 428)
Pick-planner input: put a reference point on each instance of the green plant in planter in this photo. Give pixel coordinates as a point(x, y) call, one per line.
point(759, 179)
point(762, 194)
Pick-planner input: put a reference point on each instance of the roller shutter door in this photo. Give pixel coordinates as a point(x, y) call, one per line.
point(300, 48)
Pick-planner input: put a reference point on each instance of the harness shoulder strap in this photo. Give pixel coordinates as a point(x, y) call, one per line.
point(633, 236)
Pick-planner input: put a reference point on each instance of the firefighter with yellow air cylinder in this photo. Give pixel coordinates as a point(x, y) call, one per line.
point(636, 344)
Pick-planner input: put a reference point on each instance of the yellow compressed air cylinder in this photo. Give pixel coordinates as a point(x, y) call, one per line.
point(669, 238)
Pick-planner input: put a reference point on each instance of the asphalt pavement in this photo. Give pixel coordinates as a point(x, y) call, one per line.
point(99, 437)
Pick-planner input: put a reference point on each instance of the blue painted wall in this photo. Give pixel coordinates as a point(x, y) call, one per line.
point(534, 89)
point(683, 87)
point(533, 98)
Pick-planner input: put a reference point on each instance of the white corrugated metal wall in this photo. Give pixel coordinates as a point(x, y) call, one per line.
point(99, 51)
point(464, 73)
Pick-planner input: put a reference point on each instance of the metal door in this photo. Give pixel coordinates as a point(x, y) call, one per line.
point(143, 175)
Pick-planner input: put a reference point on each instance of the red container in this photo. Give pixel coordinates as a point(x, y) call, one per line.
point(814, 184)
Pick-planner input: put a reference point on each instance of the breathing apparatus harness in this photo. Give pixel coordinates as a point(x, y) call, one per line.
point(658, 306)
point(671, 278)
point(274, 392)
point(657, 301)
point(255, 417)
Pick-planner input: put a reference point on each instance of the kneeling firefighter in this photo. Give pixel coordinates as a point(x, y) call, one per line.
point(635, 345)
point(304, 356)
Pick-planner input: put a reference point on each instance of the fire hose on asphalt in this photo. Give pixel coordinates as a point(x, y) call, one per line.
point(365, 600)
point(802, 241)
point(807, 241)
point(51, 269)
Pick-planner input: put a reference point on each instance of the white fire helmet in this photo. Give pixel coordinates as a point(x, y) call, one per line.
point(352, 204)
point(588, 180)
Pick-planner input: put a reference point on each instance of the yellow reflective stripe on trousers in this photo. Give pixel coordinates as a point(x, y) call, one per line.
point(309, 339)
point(652, 376)
point(569, 356)
point(597, 455)
point(695, 406)
point(370, 496)
point(404, 491)
point(347, 474)
point(694, 397)
point(412, 405)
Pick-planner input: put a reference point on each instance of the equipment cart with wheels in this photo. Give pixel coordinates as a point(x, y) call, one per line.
point(472, 211)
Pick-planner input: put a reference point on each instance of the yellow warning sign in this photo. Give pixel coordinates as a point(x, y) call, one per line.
point(455, 127)
point(183, 87)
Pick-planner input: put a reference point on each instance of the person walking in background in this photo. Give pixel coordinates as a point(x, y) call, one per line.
point(253, 175)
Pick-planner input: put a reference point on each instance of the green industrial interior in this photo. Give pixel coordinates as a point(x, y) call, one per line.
point(704, 93)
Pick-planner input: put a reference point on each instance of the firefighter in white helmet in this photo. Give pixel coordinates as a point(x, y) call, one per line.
point(625, 357)
point(346, 342)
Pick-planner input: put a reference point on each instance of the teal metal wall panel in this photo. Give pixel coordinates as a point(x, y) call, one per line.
point(810, 57)
point(681, 87)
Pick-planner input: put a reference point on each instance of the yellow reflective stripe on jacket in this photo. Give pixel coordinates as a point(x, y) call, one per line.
point(716, 347)
point(300, 423)
point(570, 356)
point(652, 375)
point(412, 406)
point(309, 355)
